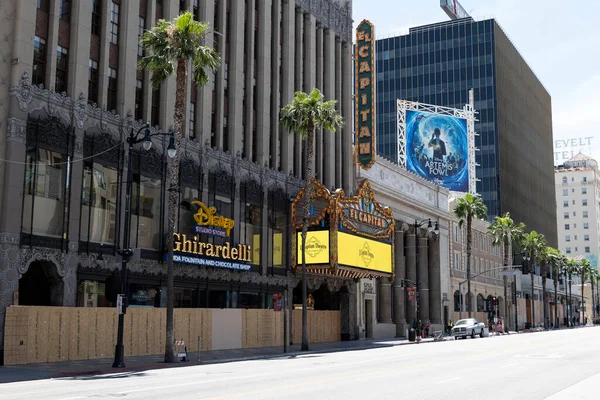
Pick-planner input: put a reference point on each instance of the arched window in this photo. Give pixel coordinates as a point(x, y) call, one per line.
point(469, 301)
point(564, 179)
point(480, 302)
point(457, 301)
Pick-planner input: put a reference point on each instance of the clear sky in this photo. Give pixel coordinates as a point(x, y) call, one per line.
point(560, 40)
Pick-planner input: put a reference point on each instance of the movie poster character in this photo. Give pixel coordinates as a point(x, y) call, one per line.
point(437, 149)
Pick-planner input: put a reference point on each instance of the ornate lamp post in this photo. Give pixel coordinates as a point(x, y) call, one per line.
point(126, 252)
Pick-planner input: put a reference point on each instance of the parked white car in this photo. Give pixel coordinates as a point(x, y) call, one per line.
point(467, 327)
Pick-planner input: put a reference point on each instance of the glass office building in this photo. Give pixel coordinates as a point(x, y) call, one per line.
point(438, 64)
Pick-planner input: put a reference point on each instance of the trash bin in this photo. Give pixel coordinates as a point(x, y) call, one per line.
point(411, 335)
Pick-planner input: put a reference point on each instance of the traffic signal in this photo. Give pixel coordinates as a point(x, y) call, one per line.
point(494, 301)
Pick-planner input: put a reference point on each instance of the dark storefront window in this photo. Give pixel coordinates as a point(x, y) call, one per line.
point(139, 99)
point(111, 100)
point(92, 294)
point(99, 198)
point(93, 82)
point(44, 200)
point(62, 69)
point(39, 61)
point(143, 296)
point(187, 210)
point(96, 13)
point(146, 212)
point(250, 229)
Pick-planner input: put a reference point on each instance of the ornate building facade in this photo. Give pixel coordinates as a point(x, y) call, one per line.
point(63, 157)
point(387, 307)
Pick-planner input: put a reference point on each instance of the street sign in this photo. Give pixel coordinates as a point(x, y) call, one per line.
point(411, 293)
point(120, 304)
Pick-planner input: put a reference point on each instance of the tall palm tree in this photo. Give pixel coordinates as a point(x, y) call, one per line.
point(465, 209)
point(533, 243)
point(305, 114)
point(570, 270)
point(171, 45)
point(584, 272)
point(557, 261)
point(594, 276)
point(504, 232)
point(544, 255)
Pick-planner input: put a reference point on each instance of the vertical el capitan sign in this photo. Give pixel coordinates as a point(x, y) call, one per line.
point(365, 94)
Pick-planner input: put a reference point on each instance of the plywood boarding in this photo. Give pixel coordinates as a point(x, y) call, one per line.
point(262, 328)
point(46, 334)
point(323, 326)
point(15, 335)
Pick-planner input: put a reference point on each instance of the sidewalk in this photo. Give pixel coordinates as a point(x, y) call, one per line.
point(104, 366)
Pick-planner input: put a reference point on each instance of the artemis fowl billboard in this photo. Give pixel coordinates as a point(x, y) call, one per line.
point(437, 149)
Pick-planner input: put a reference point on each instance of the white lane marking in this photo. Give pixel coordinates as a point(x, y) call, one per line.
point(448, 380)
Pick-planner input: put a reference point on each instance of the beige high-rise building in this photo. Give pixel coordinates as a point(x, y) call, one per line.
point(71, 93)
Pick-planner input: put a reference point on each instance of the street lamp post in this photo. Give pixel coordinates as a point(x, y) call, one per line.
point(516, 301)
point(430, 228)
point(126, 252)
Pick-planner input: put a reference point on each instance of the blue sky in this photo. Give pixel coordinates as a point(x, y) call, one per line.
point(560, 40)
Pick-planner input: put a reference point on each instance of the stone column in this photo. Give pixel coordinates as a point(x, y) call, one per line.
point(263, 78)
point(411, 273)
point(204, 99)
point(52, 44)
point(435, 281)
point(287, 83)
point(385, 300)
point(424, 279)
point(399, 292)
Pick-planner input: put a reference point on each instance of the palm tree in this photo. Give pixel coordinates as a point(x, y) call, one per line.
point(594, 276)
point(503, 232)
point(466, 209)
point(544, 255)
point(557, 261)
point(584, 272)
point(171, 45)
point(533, 243)
point(302, 116)
point(570, 270)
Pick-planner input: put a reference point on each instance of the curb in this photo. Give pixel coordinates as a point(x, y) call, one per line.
point(163, 365)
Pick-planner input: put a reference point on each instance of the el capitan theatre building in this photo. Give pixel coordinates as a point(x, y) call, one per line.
point(349, 238)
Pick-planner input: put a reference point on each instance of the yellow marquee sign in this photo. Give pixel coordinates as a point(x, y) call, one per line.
point(359, 252)
point(317, 247)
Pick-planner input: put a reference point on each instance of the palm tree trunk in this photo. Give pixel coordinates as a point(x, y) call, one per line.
point(582, 298)
point(544, 310)
point(570, 308)
point(556, 302)
point(308, 157)
point(593, 305)
point(173, 194)
point(505, 281)
point(532, 273)
point(469, 244)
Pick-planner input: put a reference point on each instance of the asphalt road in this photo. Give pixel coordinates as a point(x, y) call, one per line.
point(547, 365)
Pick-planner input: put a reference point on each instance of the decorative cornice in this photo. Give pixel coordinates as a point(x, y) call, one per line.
point(332, 14)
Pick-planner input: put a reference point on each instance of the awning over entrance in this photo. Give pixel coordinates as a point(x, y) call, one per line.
point(349, 237)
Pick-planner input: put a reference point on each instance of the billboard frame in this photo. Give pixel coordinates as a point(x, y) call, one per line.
point(467, 112)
